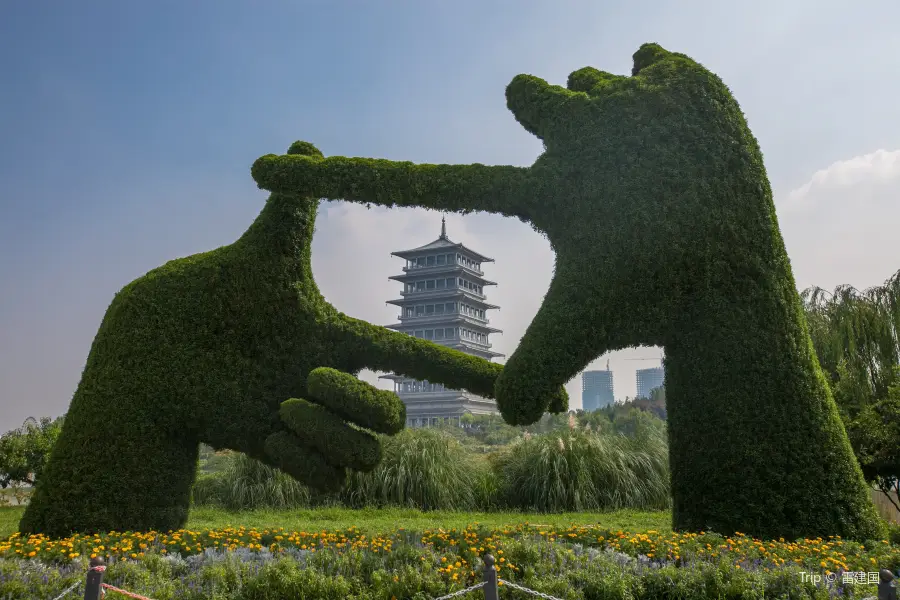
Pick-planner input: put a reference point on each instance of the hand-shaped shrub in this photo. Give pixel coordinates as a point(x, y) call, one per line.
point(653, 194)
point(210, 348)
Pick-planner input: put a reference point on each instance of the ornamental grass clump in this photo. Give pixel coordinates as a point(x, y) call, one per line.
point(420, 468)
point(248, 483)
point(581, 471)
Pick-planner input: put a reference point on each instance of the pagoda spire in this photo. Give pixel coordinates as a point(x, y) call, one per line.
point(443, 228)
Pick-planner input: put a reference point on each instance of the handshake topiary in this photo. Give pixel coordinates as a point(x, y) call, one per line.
point(653, 194)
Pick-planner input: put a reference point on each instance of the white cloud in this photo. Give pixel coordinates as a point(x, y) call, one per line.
point(841, 225)
point(881, 167)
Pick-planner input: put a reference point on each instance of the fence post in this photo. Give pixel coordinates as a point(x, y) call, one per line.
point(491, 591)
point(93, 589)
point(886, 588)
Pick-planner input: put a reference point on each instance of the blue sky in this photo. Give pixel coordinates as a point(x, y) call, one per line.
point(127, 131)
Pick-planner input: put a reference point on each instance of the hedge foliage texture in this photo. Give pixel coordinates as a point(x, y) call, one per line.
point(653, 194)
point(210, 348)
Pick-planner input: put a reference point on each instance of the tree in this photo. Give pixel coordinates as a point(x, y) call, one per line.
point(874, 431)
point(24, 451)
point(855, 335)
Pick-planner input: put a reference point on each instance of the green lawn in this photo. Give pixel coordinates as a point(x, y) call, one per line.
point(374, 521)
point(9, 520)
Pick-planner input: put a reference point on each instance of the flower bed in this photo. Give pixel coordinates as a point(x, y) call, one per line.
point(579, 562)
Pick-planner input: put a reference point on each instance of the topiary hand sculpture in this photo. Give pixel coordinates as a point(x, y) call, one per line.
point(653, 194)
point(207, 349)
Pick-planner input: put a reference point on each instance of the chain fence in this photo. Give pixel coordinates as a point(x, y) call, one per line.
point(95, 589)
point(491, 585)
point(66, 592)
point(462, 592)
point(522, 588)
point(113, 588)
point(504, 582)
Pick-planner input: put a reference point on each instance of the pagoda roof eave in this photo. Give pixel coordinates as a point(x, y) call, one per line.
point(406, 302)
point(440, 244)
point(436, 274)
point(396, 326)
point(482, 303)
point(490, 353)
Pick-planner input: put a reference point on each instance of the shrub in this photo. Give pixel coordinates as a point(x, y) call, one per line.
point(209, 490)
point(24, 451)
point(430, 469)
point(578, 471)
point(284, 579)
point(894, 533)
point(420, 468)
point(486, 485)
point(247, 483)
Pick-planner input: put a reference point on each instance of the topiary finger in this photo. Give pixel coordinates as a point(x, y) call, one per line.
point(357, 401)
point(340, 444)
point(306, 466)
point(559, 402)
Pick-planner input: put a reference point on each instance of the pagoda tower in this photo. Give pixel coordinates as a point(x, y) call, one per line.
point(443, 301)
